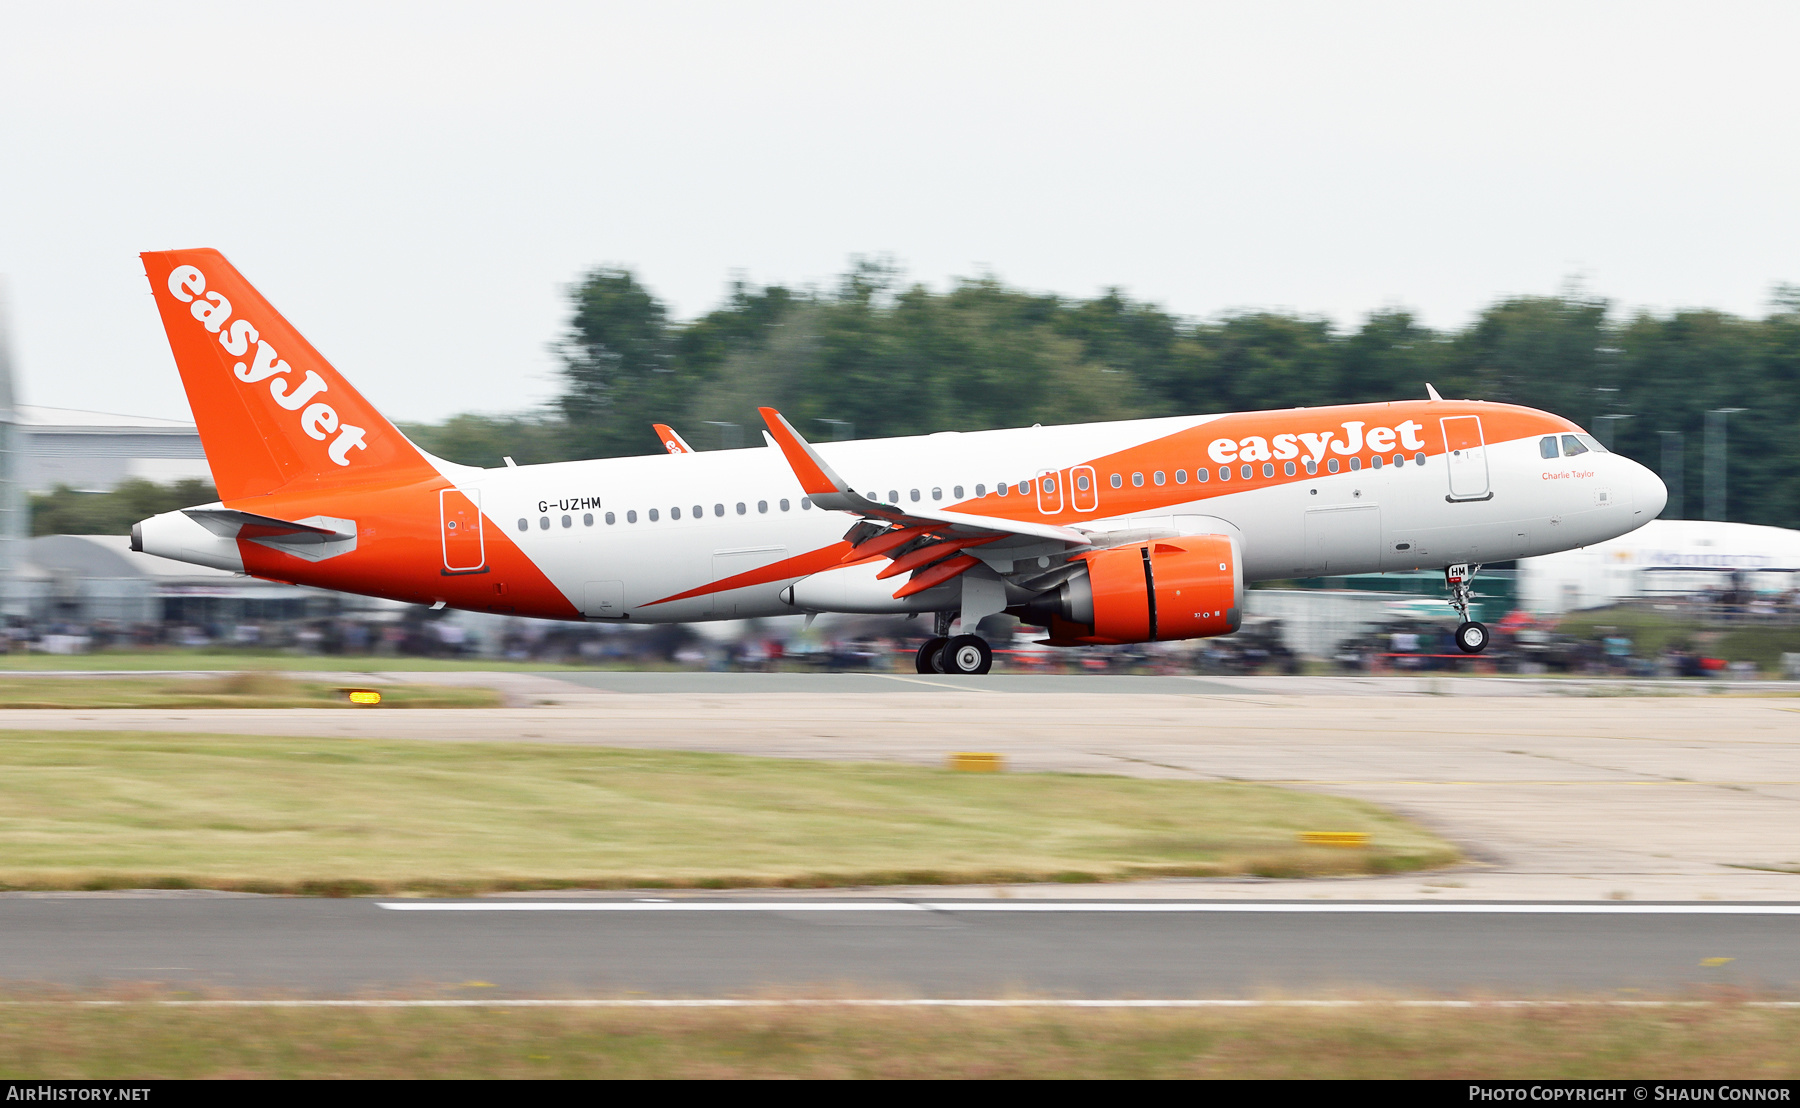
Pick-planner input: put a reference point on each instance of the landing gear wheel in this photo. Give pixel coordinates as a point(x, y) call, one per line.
point(1471, 638)
point(927, 659)
point(967, 654)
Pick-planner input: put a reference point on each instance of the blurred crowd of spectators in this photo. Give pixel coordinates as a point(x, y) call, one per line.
point(1520, 644)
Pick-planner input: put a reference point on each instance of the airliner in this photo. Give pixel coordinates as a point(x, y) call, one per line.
point(1102, 533)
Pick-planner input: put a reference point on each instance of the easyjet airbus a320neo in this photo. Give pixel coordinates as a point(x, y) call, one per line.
point(1122, 532)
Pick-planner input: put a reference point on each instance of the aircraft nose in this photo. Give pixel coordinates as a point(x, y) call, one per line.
point(1648, 493)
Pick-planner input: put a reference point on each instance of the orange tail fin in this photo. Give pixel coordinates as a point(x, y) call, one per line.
point(271, 410)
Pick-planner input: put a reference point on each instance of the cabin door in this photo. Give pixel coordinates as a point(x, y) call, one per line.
point(459, 516)
point(1465, 456)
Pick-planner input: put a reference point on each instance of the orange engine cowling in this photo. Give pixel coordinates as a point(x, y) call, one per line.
point(1182, 588)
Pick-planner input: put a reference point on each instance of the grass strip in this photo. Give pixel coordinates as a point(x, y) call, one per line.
point(97, 810)
point(247, 689)
point(227, 658)
point(1711, 1041)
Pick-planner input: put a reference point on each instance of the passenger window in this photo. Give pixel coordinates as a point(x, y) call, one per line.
point(631, 516)
point(611, 519)
point(1419, 458)
point(567, 522)
point(937, 494)
point(1049, 484)
point(1158, 477)
point(1375, 462)
point(1288, 469)
point(784, 505)
point(1224, 473)
point(893, 496)
point(740, 507)
point(653, 515)
point(805, 503)
point(718, 510)
point(1248, 472)
point(1024, 488)
point(1001, 488)
point(980, 490)
point(1202, 475)
point(1331, 465)
point(1081, 482)
point(1268, 469)
point(674, 513)
point(1117, 481)
point(523, 525)
point(587, 519)
point(1312, 466)
point(1355, 464)
point(762, 505)
point(957, 492)
point(544, 523)
point(1181, 477)
point(1137, 480)
point(1573, 446)
point(1547, 446)
point(1399, 459)
point(915, 496)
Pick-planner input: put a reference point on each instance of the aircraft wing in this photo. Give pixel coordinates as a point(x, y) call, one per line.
point(930, 543)
point(671, 441)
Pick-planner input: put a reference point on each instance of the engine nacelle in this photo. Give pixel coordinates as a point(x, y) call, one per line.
point(1178, 588)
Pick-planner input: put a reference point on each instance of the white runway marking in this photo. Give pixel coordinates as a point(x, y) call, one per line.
point(1447, 908)
point(909, 1003)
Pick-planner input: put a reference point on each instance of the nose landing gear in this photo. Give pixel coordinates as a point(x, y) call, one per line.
point(1471, 637)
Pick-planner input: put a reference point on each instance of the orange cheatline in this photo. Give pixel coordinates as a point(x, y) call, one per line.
point(886, 541)
point(937, 575)
point(925, 555)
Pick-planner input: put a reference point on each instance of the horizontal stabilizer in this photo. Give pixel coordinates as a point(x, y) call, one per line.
point(229, 523)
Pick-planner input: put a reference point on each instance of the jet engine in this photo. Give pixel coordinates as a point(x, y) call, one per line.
point(1178, 588)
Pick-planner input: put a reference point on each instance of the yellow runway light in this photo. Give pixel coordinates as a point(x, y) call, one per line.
point(364, 696)
point(977, 763)
point(1335, 838)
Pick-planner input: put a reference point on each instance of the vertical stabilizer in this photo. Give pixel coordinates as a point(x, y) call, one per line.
point(270, 409)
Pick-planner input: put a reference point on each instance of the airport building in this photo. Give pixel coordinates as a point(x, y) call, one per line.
point(95, 451)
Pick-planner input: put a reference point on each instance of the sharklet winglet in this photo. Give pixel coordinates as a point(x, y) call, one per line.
point(817, 478)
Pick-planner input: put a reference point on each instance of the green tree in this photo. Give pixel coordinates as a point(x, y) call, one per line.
point(895, 359)
point(63, 511)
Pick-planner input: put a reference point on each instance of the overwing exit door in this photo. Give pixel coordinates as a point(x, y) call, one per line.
point(1049, 492)
point(1465, 456)
point(459, 517)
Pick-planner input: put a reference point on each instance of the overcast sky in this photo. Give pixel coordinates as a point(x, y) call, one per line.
point(415, 186)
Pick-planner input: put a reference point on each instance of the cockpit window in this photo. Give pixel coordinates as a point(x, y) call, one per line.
point(1547, 446)
point(1593, 444)
point(1572, 445)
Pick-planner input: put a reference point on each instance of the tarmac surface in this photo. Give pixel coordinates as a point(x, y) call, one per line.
point(1621, 836)
point(1555, 789)
point(949, 947)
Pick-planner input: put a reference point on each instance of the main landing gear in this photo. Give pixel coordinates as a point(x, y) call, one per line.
point(1471, 637)
point(943, 653)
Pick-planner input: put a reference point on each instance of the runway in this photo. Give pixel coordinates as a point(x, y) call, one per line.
point(1557, 790)
point(946, 947)
point(1578, 803)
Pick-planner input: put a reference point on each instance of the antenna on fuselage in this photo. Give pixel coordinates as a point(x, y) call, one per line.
point(1431, 392)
